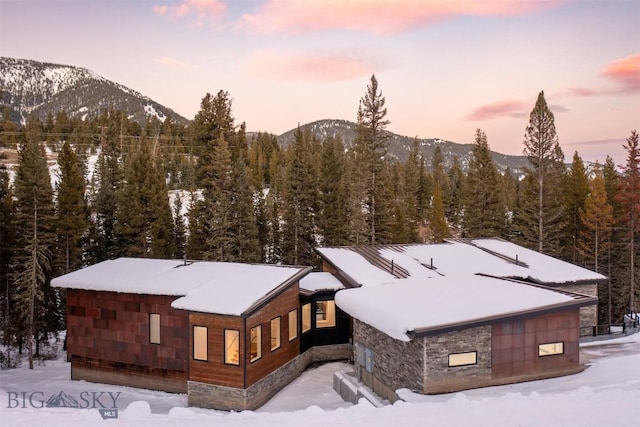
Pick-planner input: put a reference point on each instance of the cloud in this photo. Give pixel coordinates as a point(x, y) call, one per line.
point(311, 67)
point(376, 16)
point(200, 10)
point(625, 73)
point(498, 109)
point(580, 92)
point(175, 63)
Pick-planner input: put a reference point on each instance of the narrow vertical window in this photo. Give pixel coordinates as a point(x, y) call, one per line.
point(325, 314)
point(256, 343)
point(231, 347)
point(275, 333)
point(154, 328)
point(306, 318)
point(200, 343)
point(293, 325)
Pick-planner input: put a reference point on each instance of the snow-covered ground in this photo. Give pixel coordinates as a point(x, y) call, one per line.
point(607, 393)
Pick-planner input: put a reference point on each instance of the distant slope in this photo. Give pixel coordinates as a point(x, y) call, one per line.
point(32, 87)
point(399, 146)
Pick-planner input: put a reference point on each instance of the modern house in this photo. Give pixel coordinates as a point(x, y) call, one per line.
point(460, 315)
point(432, 318)
point(229, 335)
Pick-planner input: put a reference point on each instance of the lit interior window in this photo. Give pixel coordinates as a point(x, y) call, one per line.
point(306, 318)
point(293, 325)
point(256, 341)
point(275, 333)
point(154, 328)
point(325, 314)
point(550, 349)
point(200, 343)
point(463, 359)
point(231, 347)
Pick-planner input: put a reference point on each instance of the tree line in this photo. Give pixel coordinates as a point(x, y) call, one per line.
point(248, 199)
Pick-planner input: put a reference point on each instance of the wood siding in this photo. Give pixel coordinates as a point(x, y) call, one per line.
point(272, 360)
point(514, 344)
point(214, 370)
point(114, 327)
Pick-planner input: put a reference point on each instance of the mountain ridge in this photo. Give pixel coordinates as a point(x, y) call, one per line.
point(42, 88)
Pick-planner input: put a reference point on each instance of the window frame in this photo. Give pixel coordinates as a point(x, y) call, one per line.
point(553, 346)
point(321, 324)
point(306, 315)
point(279, 331)
point(259, 344)
point(456, 364)
point(206, 342)
point(227, 359)
point(293, 322)
point(154, 328)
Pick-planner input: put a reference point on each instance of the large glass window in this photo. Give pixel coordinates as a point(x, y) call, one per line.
point(306, 318)
point(293, 325)
point(325, 314)
point(463, 359)
point(275, 333)
point(256, 343)
point(200, 343)
point(154, 328)
point(550, 349)
point(231, 347)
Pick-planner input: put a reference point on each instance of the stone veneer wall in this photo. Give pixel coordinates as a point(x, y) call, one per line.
point(588, 315)
point(396, 364)
point(237, 399)
point(439, 377)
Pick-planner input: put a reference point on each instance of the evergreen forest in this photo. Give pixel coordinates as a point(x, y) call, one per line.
point(211, 191)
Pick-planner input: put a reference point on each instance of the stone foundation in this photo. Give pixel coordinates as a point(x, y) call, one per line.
point(235, 399)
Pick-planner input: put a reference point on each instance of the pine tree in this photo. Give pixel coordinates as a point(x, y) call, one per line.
point(72, 213)
point(456, 185)
point(370, 149)
point(576, 191)
point(144, 223)
point(179, 230)
point(440, 177)
point(594, 239)
point(629, 198)
point(334, 210)
point(542, 211)
point(37, 303)
point(300, 201)
point(7, 248)
point(437, 219)
point(246, 244)
point(484, 202)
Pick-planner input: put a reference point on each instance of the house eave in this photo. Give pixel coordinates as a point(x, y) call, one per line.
point(275, 292)
point(582, 301)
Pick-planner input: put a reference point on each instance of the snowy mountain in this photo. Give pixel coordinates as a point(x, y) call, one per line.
point(62, 400)
point(399, 145)
point(32, 87)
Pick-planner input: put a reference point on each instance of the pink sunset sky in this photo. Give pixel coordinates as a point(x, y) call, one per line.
point(445, 67)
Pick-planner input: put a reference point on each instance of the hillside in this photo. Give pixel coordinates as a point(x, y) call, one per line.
point(399, 145)
point(39, 88)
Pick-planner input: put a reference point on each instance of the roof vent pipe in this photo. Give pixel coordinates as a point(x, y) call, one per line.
point(391, 266)
point(516, 259)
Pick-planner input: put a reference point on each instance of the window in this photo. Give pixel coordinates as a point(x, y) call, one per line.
point(256, 343)
point(325, 314)
point(550, 349)
point(306, 317)
point(275, 333)
point(200, 343)
point(463, 359)
point(293, 325)
point(231, 347)
point(154, 328)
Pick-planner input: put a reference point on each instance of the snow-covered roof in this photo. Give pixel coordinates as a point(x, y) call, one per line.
point(210, 287)
point(320, 281)
point(493, 257)
point(407, 305)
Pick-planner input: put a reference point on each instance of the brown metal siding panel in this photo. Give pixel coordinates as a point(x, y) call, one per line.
point(514, 344)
